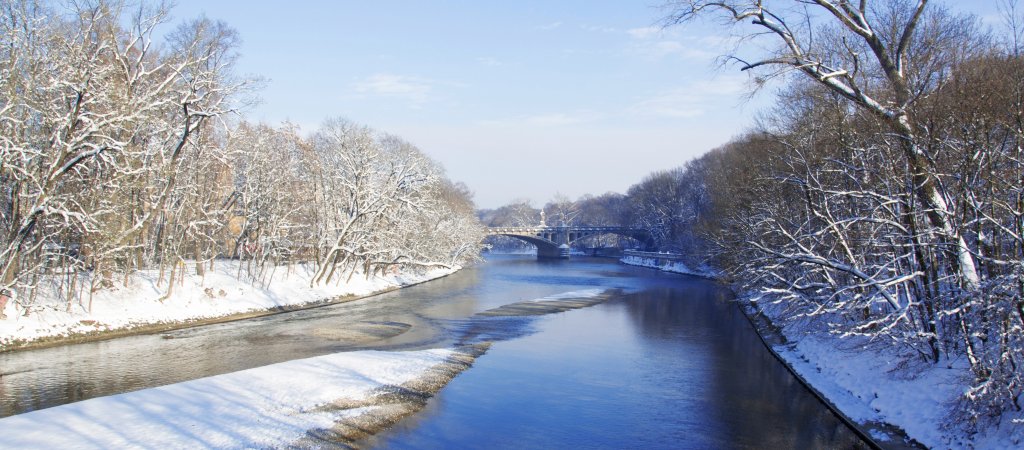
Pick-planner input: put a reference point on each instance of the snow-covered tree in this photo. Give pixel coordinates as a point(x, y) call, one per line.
point(381, 200)
point(883, 196)
point(97, 119)
point(880, 56)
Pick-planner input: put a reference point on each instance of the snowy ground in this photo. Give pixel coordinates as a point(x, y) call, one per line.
point(674, 267)
point(220, 293)
point(279, 405)
point(870, 383)
point(268, 406)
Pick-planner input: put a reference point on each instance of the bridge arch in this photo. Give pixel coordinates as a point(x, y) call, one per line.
point(644, 237)
point(546, 248)
point(554, 242)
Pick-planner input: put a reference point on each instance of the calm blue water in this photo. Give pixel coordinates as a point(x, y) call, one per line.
point(672, 364)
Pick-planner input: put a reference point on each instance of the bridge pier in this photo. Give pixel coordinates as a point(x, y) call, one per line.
point(552, 252)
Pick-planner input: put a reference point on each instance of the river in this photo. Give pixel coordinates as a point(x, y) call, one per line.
point(667, 362)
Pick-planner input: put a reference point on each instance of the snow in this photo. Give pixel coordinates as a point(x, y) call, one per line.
point(583, 293)
point(861, 383)
point(219, 293)
point(870, 382)
point(268, 406)
point(669, 266)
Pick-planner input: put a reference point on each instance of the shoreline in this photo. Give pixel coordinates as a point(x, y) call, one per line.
point(74, 337)
point(316, 402)
point(770, 335)
point(337, 400)
point(668, 266)
point(391, 404)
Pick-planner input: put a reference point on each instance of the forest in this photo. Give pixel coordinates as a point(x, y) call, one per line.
point(880, 197)
point(124, 147)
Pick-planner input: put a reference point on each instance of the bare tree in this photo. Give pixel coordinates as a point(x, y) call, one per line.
point(104, 110)
point(561, 211)
point(881, 56)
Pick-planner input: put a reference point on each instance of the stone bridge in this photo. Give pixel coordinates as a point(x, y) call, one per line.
point(554, 242)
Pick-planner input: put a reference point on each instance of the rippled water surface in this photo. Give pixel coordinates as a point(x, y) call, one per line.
point(668, 362)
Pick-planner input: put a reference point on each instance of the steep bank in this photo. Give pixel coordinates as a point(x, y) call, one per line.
point(896, 397)
point(898, 404)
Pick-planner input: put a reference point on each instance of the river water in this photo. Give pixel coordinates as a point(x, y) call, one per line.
point(667, 362)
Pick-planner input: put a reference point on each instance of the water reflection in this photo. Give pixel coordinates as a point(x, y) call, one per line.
point(672, 366)
point(755, 400)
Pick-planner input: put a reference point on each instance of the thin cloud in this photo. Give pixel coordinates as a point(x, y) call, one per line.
point(656, 50)
point(550, 26)
point(677, 103)
point(555, 119)
point(599, 29)
point(645, 32)
point(490, 61)
point(552, 119)
point(658, 43)
point(415, 90)
point(688, 101)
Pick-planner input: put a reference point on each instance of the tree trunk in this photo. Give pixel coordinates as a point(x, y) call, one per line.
point(929, 192)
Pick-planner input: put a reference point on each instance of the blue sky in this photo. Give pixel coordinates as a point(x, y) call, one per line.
point(520, 99)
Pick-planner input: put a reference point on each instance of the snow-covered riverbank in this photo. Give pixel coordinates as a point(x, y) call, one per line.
point(219, 293)
point(667, 266)
point(270, 406)
point(331, 400)
point(870, 383)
